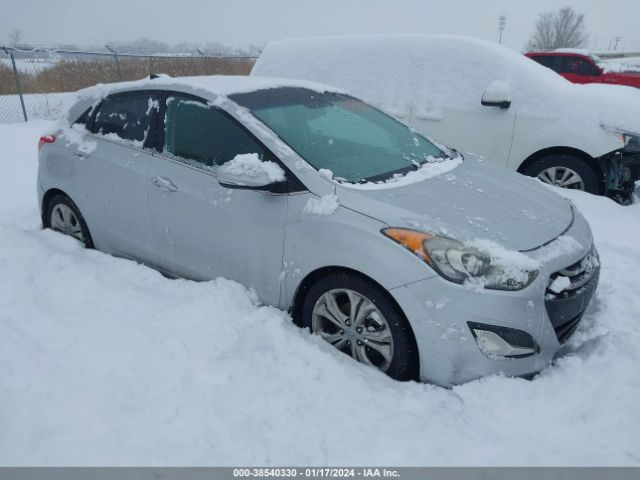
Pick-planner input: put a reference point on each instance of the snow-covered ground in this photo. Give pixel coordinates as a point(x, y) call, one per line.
point(40, 106)
point(104, 361)
point(628, 64)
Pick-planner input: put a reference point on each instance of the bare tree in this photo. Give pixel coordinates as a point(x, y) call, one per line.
point(15, 37)
point(563, 28)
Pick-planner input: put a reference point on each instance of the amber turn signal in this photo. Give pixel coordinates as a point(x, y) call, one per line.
point(410, 239)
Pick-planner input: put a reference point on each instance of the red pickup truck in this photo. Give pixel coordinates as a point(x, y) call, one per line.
point(584, 68)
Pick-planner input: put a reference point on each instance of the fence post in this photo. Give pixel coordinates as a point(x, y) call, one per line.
point(17, 77)
point(115, 56)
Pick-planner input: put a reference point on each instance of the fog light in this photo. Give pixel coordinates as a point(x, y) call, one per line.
point(502, 342)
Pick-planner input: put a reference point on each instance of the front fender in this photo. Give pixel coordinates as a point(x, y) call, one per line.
point(345, 239)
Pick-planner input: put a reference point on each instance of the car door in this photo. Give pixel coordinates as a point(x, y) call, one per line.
point(486, 131)
point(447, 107)
point(201, 229)
point(118, 167)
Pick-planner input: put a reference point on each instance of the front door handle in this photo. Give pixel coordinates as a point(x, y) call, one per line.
point(164, 183)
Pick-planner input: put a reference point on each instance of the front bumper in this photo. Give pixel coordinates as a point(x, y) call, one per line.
point(439, 312)
point(622, 169)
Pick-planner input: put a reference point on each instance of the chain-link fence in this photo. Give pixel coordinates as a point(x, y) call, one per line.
point(34, 82)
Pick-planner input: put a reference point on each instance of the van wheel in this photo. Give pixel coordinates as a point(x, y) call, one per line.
point(565, 171)
point(62, 215)
point(359, 319)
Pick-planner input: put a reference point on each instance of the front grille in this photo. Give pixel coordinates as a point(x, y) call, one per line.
point(566, 307)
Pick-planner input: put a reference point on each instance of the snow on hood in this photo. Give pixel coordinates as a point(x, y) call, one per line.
point(614, 107)
point(477, 200)
point(420, 75)
point(431, 168)
point(621, 65)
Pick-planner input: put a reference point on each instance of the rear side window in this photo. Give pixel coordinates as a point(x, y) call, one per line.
point(126, 117)
point(203, 135)
point(84, 118)
point(545, 60)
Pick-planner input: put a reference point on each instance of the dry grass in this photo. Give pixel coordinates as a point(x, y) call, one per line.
point(70, 75)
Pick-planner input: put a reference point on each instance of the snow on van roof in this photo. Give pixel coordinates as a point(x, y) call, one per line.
point(423, 69)
point(420, 76)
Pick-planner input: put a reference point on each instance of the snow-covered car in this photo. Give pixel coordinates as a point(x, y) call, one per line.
point(483, 98)
point(397, 251)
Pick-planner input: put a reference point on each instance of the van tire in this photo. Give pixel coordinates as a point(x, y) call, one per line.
point(554, 168)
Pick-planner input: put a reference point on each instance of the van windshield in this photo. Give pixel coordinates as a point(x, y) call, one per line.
point(332, 131)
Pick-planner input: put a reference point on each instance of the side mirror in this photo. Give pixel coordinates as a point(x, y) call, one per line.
point(248, 171)
point(496, 95)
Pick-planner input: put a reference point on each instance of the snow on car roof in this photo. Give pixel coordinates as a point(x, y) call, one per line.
point(206, 85)
point(578, 51)
point(226, 85)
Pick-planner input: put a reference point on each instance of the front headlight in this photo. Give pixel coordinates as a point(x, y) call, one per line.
point(494, 268)
point(630, 140)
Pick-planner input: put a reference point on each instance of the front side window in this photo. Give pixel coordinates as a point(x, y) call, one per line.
point(577, 66)
point(353, 140)
point(126, 117)
point(203, 135)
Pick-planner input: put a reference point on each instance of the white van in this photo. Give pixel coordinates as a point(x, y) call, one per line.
point(480, 97)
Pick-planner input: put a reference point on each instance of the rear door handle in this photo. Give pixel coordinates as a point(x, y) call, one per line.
point(165, 184)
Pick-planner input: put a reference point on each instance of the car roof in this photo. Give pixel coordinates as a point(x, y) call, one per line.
point(558, 54)
point(209, 86)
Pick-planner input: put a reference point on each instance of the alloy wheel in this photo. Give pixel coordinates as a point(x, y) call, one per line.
point(353, 324)
point(562, 177)
point(65, 221)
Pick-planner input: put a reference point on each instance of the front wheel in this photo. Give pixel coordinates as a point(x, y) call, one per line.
point(565, 171)
point(359, 319)
point(62, 215)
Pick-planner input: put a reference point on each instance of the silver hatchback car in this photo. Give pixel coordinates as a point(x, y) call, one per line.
point(398, 251)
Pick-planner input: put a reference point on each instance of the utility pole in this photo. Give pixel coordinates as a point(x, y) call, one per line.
point(617, 39)
point(502, 21)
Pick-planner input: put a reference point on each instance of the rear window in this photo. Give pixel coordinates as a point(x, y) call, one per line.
point(126, 117)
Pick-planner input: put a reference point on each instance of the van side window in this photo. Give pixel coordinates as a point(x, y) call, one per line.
point(126, 117)
point(203, 135)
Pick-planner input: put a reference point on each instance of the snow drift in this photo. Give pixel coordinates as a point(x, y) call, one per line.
point(104, 361)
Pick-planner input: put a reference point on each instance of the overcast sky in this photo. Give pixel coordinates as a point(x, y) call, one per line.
point(244, 22)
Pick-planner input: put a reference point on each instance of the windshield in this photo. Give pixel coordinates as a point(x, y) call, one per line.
point(331, 131)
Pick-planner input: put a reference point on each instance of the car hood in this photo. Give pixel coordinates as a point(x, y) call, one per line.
point(476, 200)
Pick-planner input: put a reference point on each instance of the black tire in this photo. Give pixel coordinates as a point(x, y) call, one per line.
point(61, 199)
point(405, 361)
point(592, 184)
